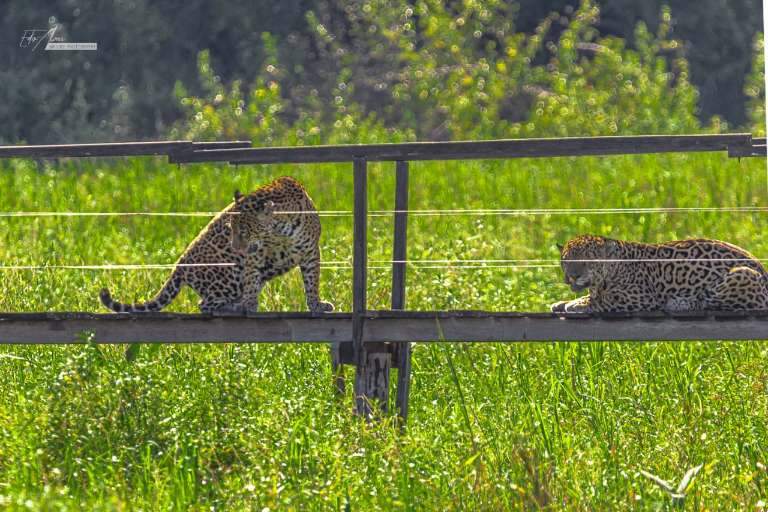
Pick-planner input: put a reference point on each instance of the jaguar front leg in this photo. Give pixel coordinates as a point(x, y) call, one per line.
point(310, 273)
point(621, 302)
point(253, 282)
point(580, 305)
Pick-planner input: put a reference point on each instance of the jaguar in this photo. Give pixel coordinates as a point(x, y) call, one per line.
point(676, 276)
point(257, 237)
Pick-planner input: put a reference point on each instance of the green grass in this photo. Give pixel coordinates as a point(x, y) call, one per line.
point(492, 426)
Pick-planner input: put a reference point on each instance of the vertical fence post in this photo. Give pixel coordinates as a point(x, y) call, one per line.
point(372, 372)
point(399, 257)
point(359, 256)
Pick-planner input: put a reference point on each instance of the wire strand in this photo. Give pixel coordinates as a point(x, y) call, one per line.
point(591, 260)
point(386, 265)
point(416, 213)
point(569, 211)
point(113, 267)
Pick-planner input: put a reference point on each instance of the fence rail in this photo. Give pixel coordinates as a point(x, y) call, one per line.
point(113, 149)
point(379, 327)
point(241, 152)
point(489, 149)
point(375, 341)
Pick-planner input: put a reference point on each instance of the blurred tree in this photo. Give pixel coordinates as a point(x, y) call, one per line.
point(717, 37)
point(124, 90)
point(433, 71)
point(755, 89)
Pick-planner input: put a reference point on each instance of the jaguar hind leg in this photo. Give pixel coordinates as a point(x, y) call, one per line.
point(742, 288)
point(213, 307)
point(682, 304)
point(310, 273)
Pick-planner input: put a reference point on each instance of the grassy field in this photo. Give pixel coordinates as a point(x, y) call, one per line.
point(552, 425)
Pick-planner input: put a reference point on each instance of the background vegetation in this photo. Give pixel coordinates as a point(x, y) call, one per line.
point(123, 91)
point(534, 426)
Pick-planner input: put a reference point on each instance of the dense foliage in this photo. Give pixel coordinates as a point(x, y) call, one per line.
point(552, 426)
point(755, 89)
point(437, 75)
point(567, 426)
point(124, 91)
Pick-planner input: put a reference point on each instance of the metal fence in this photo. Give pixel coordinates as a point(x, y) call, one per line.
point(376, 341)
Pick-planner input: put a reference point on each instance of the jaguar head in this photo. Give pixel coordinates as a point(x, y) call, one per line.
point(252, 219)
point(585, 261)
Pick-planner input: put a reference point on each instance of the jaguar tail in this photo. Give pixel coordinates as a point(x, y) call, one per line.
point(165, 296)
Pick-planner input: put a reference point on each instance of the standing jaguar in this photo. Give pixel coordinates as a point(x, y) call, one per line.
point(677, 276)
point(215, 263)
point(275, 242)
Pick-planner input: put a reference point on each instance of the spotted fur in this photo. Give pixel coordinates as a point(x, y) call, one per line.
point(221, 288)
point(276, 242)
point(677, 276)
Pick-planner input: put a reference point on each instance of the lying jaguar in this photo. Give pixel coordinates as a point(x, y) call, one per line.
point(242, 248)
point(677, 276)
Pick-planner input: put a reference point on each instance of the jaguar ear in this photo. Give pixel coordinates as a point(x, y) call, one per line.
point(238, 195)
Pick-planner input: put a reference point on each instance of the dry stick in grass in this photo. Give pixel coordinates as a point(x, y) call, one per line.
point(678, 494)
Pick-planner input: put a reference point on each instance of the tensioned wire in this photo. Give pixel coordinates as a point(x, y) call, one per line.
point(474, 264)
point(416, 213)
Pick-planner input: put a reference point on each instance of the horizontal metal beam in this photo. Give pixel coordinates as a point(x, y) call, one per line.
point(737, 145)
point(115, 149)
point(222, 144)
point(379, 326)
point(90, 150)
point(489, 149)
point(47, 328)
point(521, 327)
point(747, 151)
